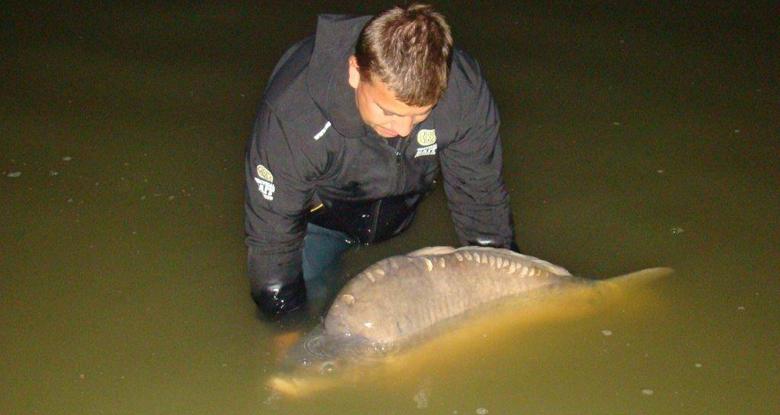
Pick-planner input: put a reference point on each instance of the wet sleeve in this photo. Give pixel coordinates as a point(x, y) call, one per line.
point(276, 197)
point(471, 172)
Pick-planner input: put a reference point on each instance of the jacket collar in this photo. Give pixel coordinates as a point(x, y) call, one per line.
point(328, 73)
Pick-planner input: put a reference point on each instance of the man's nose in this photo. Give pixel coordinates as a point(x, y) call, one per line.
point(403, 126)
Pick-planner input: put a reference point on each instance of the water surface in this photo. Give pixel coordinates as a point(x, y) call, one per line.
point(634, 136)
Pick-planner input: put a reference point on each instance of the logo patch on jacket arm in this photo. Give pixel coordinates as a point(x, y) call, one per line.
point(265, 182)
point(427, 139)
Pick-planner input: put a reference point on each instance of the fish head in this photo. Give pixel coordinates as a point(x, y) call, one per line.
point(315, 352)
point(321, 361)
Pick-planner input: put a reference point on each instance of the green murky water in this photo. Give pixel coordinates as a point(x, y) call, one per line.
point(634, 136)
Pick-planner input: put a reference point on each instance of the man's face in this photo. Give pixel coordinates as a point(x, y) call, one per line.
point(380, 109)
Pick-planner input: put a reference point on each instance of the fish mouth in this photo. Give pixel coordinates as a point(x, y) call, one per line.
point(301, 386)
point(289, 387)
point(300, 380)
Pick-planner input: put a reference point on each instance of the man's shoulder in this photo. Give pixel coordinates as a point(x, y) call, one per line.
point(288, 97)
point(286, 92)
point(465, 73)
point(463, 87)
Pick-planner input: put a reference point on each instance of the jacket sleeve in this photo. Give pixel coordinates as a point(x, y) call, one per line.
point(471, 172)
point(276, 198)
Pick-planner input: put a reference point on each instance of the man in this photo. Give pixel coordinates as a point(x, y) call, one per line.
point(354, 127)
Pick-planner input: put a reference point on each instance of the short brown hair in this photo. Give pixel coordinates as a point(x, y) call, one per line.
point(409, 49)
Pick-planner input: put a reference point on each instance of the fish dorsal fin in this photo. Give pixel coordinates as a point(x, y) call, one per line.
point(432, 250)
point(555, 269)
point(528, 259)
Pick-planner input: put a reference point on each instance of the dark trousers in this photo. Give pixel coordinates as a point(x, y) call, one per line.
point(322, 251)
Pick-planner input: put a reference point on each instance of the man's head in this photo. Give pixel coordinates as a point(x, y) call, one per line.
point(400, 68)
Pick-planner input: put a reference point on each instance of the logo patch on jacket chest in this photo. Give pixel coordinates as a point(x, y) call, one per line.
point(427, 139)
point(426, 151)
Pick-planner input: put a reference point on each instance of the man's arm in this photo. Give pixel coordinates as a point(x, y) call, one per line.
point(276, 198)
point(471, 171)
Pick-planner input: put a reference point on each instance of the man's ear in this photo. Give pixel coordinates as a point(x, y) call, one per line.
point(354, 73)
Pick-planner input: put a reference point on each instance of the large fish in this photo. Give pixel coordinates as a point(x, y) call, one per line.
point(403, 302)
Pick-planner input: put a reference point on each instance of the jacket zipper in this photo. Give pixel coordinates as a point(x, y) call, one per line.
point(399, 154)
point(399, 147)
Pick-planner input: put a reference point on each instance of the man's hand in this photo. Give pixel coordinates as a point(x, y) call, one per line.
point(280, 299)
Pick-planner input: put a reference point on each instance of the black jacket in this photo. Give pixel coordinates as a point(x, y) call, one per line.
point(309, 147)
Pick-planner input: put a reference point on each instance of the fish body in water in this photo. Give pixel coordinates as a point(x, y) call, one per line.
point(407, 300)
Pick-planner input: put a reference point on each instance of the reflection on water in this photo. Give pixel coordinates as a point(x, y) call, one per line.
point(634, 136)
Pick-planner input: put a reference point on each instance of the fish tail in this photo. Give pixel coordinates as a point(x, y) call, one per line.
point(639, 278)
point(634, 286)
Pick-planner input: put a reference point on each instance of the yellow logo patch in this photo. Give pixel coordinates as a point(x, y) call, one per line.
point(426, 137)
point(264, 174)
